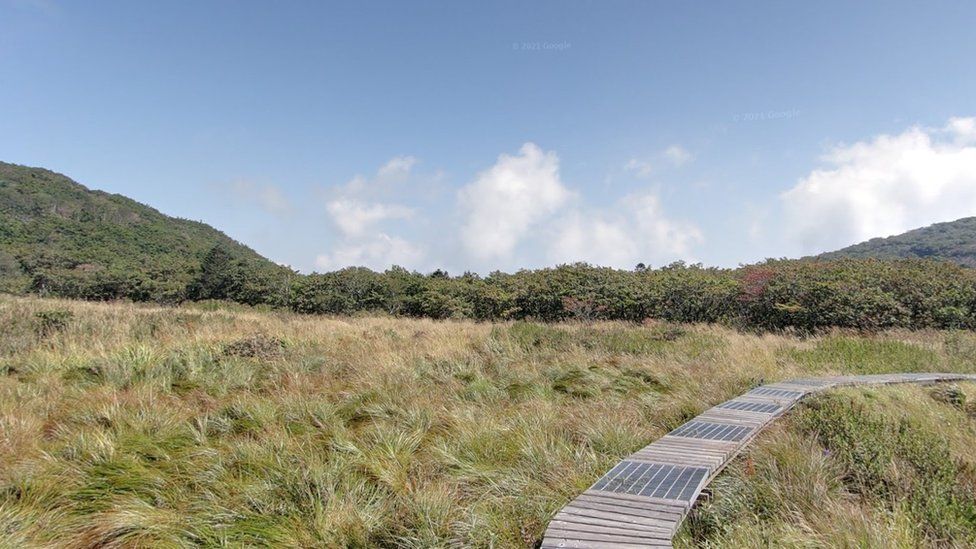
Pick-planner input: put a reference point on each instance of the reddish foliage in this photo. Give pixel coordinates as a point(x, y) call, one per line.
point(582, 309)
point(754, 283)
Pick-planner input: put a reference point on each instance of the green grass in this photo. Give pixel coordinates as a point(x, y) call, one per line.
point(136, 426)
point(868, 356)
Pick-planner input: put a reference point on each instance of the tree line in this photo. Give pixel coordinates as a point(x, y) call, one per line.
point(805, 295)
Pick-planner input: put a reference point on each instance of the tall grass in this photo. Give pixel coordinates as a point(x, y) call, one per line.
point(138, 426)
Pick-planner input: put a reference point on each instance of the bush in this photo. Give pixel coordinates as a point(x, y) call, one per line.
point(49, 322)
point(951, 395)
point(259, 346)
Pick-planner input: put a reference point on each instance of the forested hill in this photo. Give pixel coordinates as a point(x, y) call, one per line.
point(59, 237)
point(954, 241)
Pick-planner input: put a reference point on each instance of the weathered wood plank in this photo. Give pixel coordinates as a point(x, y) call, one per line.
point(624, 521)
point(562, 543)
point(591, 536)
point(651, 509)
point(628, 497)
point(615, 530)
point(665, 527)
point(624, 515)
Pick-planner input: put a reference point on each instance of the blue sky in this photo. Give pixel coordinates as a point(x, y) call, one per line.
point(499, 135)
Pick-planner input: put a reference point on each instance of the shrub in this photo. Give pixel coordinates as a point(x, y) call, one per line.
point(49, 322)
point(951, 395)
point(259, 346)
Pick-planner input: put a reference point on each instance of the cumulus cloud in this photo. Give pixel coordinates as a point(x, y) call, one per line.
point(963, 129)
point(507, 201)
point(397, 166)
point(354, 218)
point(637, 230)
point(364, 236)
point(377, 252)
point(267, 197)
point(677, 155)
point(521, 203)
point(517, 213)
point(388, 177)
point(885, 186)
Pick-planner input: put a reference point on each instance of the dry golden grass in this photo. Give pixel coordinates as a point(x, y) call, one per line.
point(137, 426)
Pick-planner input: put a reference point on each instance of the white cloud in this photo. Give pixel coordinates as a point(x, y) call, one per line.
point(640, 168)
point(885, 186)
point(389, 176)
point(364, 238)
point(637, 230)
point(377, 252)
point(354, 218)
point(678, 155)
point(521, 203)
point(268, 197)
point(397, 166)
point(508, 200)
point(517, 213)
point(963, 129)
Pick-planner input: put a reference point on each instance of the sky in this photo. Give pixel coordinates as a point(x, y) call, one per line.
point(502, 135)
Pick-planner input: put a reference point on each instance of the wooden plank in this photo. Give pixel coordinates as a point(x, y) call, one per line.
point(592, 536)
point(690, 451)
point(660, 456)
point(628, 497)
point(732, 418)
point(663, 452)
point(649, 509)
point(621, 514)
point(586, 527)
point(679, 444)
point(686, 451)
point(563, 543)
point(704, 443)
point(665, 527)
point(663, 512)
point(665, 457)
point(747, 415)
point(622, 519)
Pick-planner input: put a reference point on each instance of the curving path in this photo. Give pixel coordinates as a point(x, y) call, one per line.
point(643, 499)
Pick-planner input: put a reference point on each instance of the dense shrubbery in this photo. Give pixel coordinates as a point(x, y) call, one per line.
point(804, 295)
point(801, 295)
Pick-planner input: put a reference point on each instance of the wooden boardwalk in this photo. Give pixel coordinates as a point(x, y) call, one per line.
point(643, 499)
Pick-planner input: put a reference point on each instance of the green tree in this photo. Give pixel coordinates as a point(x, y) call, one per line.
point(220, 277)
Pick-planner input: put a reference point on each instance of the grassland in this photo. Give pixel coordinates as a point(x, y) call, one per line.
point(125, 425)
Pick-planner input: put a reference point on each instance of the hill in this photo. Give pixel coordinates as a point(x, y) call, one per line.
point(953, 241)
point(59, 237)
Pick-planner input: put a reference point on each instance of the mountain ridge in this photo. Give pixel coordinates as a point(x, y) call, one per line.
point(953, 241)
point(54, 230)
